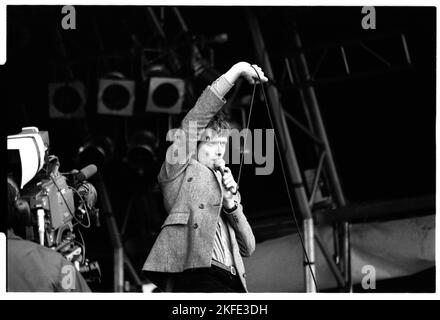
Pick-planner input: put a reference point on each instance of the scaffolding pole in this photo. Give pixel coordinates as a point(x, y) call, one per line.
point(335, 185)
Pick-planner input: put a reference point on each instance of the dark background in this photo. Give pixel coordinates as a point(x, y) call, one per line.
point(381, 127)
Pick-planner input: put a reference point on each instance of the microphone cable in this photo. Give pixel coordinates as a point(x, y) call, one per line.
point(282, 168)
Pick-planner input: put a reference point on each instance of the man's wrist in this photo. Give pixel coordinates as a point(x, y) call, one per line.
point(234, 72)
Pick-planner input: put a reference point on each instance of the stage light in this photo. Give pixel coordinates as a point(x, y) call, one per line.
point(67, 100)
point(142, 152)
point(153, 70)
point(116, 95)
point(97, 150)
point(165, 95)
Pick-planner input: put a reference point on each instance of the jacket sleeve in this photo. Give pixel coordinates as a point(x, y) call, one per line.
point(185, 138)
point(243, 231)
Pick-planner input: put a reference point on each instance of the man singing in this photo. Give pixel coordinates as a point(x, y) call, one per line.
point(206, 234)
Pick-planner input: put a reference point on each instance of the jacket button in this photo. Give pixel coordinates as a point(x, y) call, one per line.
point(201, 206)
point(195, 226)
point(189, 179)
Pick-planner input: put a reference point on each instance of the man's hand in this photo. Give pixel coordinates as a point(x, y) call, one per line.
point(228, 183)
point(245, 70)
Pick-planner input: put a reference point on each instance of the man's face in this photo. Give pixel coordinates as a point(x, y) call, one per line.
point(209, 152)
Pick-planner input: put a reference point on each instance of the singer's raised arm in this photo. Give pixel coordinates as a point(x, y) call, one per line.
point(185, 138)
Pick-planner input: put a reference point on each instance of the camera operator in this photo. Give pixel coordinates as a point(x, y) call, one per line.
point(32, 267)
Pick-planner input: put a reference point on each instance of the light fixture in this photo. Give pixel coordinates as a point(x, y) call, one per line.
point(67, 100)
point(165, 95)
point(97, 150)
point(116, 95)
point(142, 152)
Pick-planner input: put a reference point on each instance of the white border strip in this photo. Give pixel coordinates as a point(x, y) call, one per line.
point(214, 296)
point(2, 262)
point(2, 33)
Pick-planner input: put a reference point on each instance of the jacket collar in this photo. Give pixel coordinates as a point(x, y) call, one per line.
point(216, 174)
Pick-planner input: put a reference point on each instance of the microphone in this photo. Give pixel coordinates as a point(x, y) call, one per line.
point(221, 167)
point(85, 173)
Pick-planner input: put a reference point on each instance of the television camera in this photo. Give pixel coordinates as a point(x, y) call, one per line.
point(58, 203)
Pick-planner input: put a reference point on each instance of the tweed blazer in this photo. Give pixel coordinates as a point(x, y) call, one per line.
point(193, 196)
